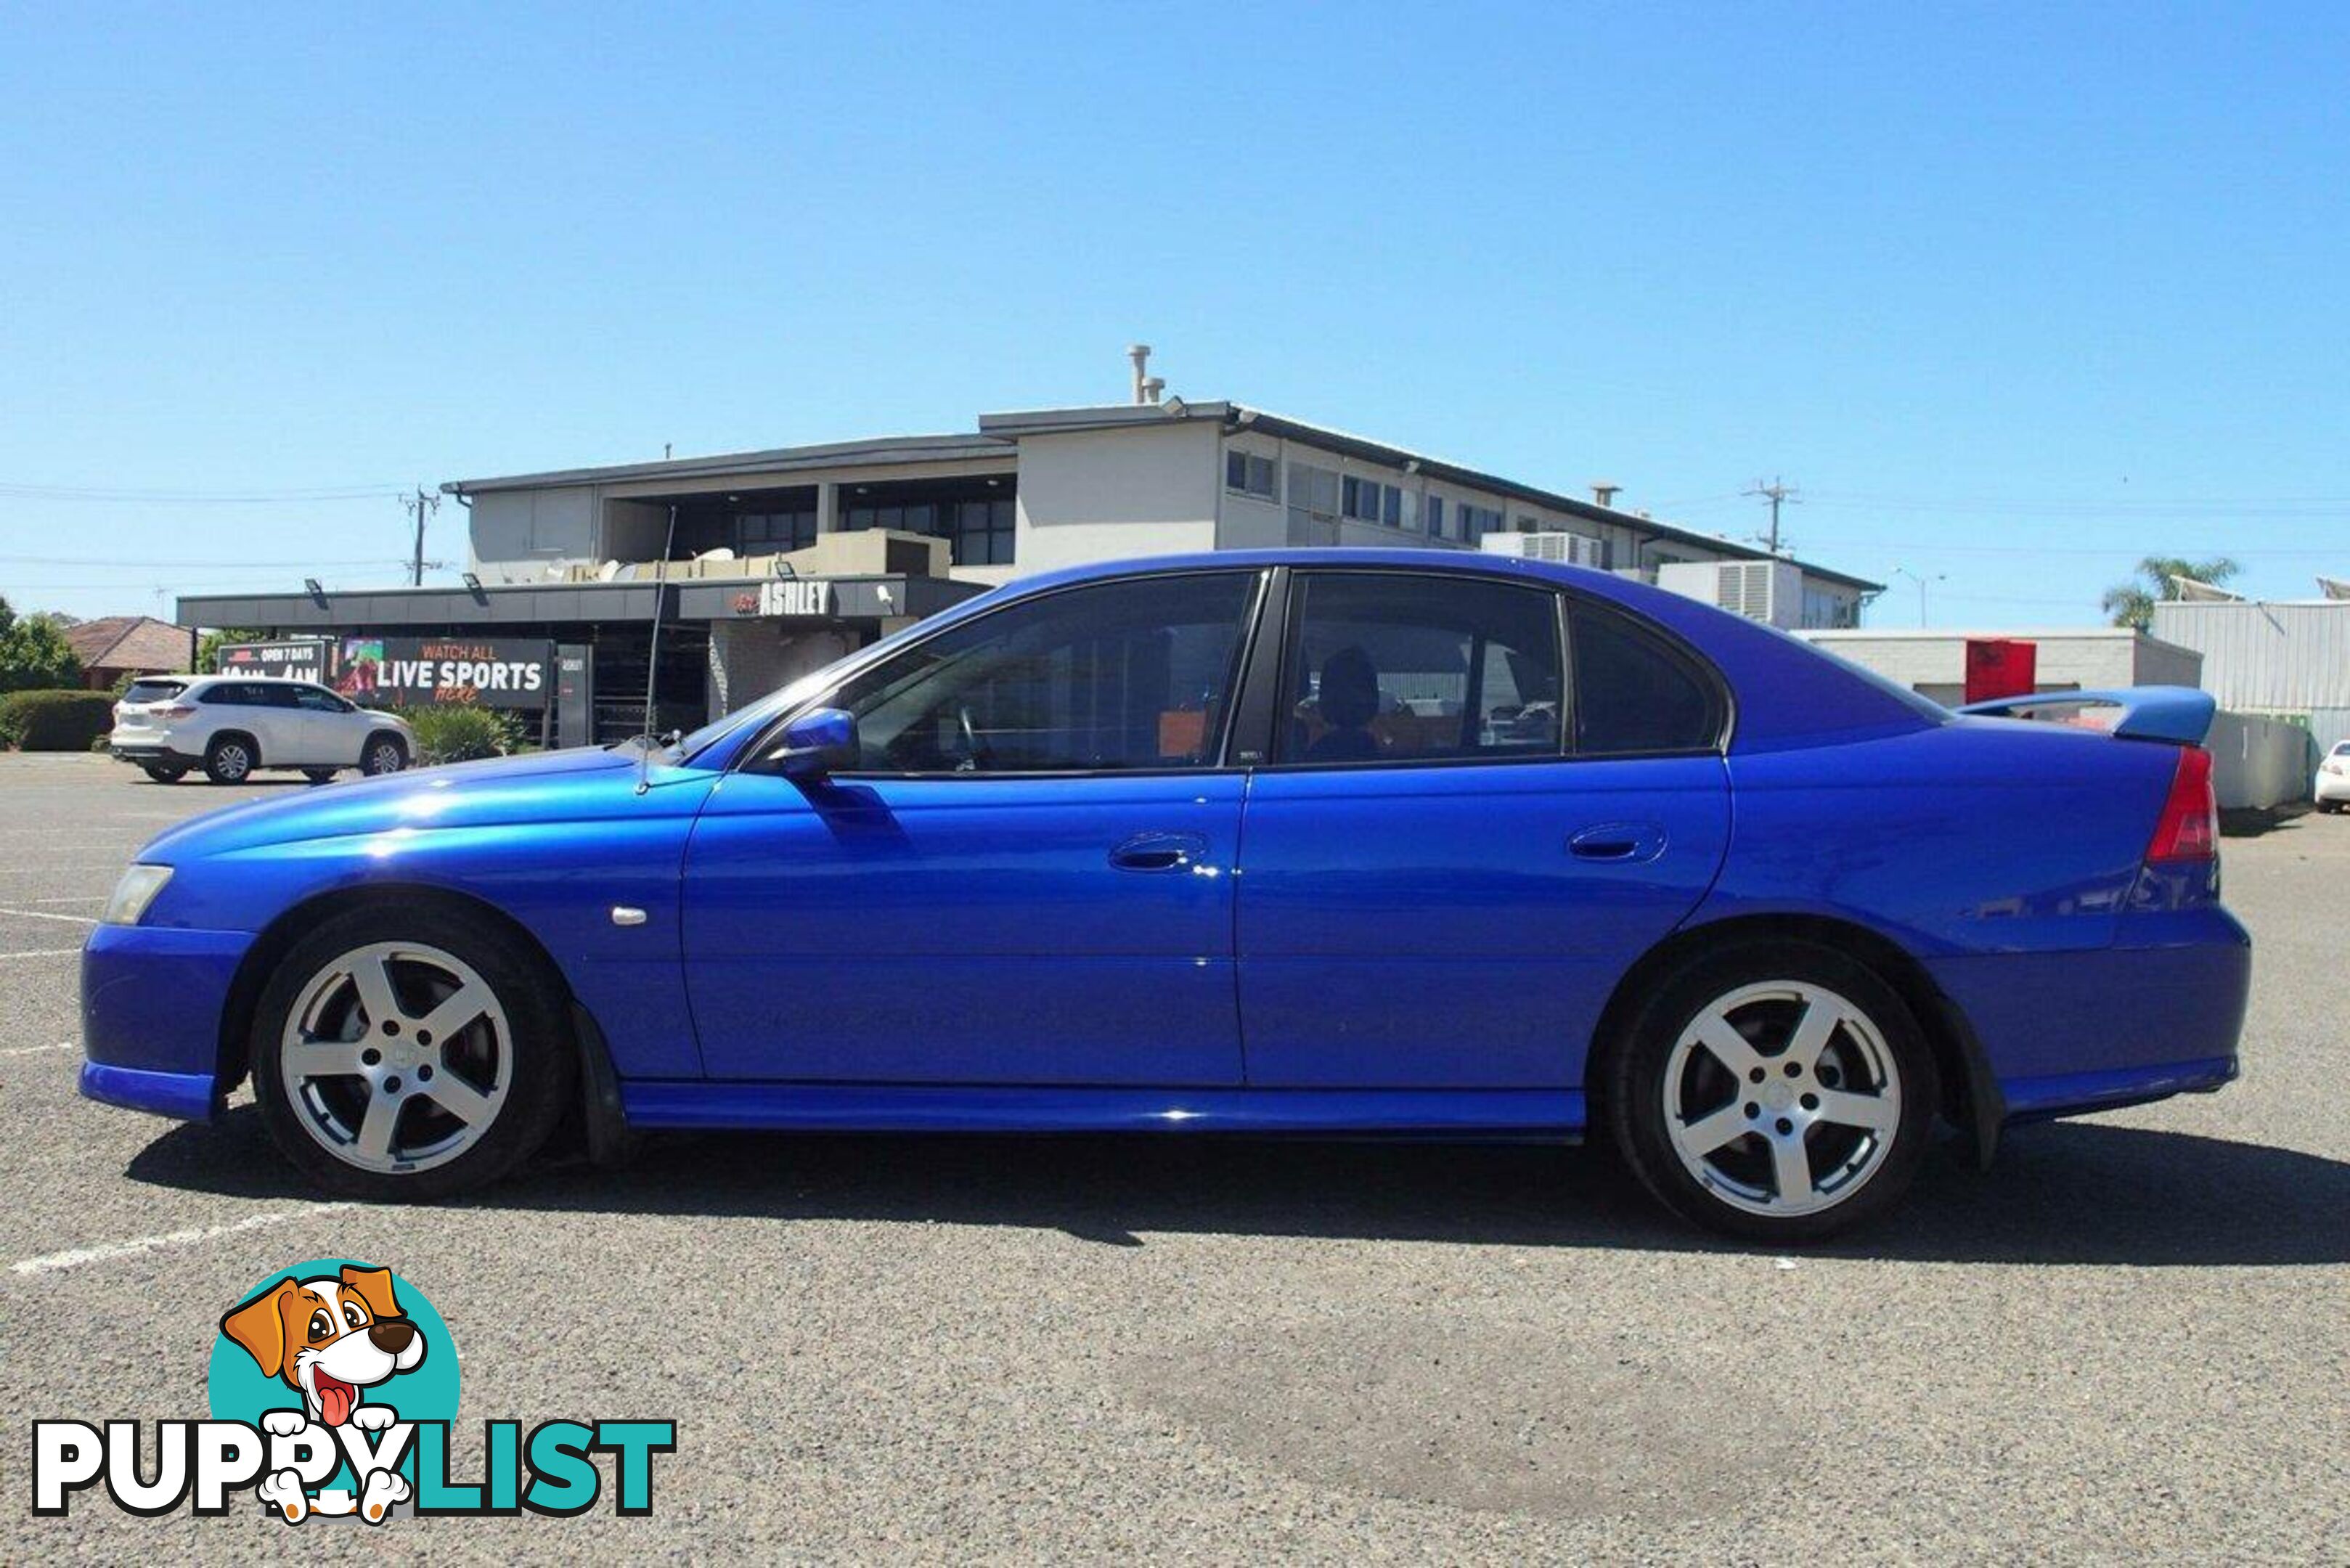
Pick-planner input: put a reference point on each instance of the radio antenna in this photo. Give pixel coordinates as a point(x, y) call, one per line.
point(652, 655)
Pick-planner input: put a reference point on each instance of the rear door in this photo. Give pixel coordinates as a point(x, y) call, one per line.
point(1455, 851)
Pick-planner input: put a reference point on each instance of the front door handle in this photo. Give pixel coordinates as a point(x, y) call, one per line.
point(1160, 852)
point(1625, 843)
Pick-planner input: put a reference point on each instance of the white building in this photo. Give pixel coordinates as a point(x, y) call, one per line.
point(877, 532)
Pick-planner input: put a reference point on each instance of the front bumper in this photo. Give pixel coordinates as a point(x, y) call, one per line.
point(152, 998)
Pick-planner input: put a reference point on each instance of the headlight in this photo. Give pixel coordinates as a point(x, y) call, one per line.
point(137, 889)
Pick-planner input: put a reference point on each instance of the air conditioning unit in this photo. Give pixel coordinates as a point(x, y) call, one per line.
point(1567, 549)
point(1768, 591)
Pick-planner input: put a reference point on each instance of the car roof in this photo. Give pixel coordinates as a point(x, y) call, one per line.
point(1786, 693)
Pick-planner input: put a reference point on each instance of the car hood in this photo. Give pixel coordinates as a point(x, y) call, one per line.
point(542, 787)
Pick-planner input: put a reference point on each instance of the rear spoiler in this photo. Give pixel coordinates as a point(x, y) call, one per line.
point(2178, 715)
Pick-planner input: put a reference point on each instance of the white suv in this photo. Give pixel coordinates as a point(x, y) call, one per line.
point(229, 725)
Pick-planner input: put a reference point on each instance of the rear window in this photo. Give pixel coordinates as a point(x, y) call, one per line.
point(154, 691)
point(1633, 694)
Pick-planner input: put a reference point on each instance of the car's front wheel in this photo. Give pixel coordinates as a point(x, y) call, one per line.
point(410, 1053)
point(1777, 1092)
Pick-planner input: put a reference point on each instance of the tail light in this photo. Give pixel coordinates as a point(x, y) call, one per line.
point(176, 710)
point(2190, 826)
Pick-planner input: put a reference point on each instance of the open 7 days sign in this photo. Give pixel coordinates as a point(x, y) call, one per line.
point(407, 671)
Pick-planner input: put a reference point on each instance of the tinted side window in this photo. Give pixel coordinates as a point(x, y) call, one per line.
point(231, 695)
point(1124, 675)
point(1400, 667)
point(317, 699)
point(1632, 695)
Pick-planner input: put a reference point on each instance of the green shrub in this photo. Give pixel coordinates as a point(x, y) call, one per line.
point(55, 721)
point(454, 732)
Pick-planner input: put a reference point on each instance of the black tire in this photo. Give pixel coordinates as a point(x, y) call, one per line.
point(384, 753)
point(1634, 1090)
point(543, 1061)
point(231, 759)
point(321, 776)
point(165, 773)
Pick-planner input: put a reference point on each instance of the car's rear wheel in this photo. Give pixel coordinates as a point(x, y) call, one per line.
point(383, 754)
point(1777, 1092)
point(410, 1054)
point(230, 759)
point(165, 773)
point(321, 776)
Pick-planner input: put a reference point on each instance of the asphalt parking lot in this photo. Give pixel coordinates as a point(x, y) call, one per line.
point(2130, 1339)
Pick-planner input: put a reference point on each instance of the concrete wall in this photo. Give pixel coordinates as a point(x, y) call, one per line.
point(750, 659)
point(1102, 495)
point(515, 535)
point(2258, 762)
point(2075, 658)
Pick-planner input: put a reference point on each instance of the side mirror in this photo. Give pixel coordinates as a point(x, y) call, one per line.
point(818, 742)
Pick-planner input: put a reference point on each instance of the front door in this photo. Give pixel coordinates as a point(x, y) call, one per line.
point(1451, 862)
point(1024, 878)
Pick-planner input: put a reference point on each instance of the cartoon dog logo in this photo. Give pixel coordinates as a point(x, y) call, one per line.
point(331, 1339)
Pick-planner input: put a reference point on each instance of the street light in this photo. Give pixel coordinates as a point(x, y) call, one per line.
point(1921, 581)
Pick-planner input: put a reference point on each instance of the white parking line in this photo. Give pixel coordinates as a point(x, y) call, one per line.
point(109, 1251)
point(37, 1050)
point(39, 914)
point(43, 952)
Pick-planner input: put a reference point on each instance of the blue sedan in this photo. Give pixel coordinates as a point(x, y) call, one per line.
point(1358, 843)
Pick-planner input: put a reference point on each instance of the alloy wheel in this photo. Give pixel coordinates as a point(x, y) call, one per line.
point(1782, 1098)
point(396, 1056)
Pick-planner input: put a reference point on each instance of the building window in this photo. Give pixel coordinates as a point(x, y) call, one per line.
point(1436, 517)
point(1250, 474)
point(983, 532)
point(1368, 501)
point(769, 533)
point(1476, 522)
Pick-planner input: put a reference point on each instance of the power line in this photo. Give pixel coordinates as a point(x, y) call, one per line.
point(216, 564)
point(301, 496)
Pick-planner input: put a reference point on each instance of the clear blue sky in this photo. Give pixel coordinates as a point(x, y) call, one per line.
point(2015, 294)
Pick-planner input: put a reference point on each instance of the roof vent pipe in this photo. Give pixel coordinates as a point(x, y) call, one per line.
point(1152, 388)
point(1604, 492)
point(1141, 354)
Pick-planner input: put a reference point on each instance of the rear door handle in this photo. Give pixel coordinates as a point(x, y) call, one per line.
point(1626, 843)
point(1160, 852)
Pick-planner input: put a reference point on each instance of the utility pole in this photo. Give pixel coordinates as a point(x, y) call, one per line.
point(1778, 492)
point(423, 505)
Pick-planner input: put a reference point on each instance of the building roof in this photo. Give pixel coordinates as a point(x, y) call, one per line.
point(131, 642)
point(831, 454)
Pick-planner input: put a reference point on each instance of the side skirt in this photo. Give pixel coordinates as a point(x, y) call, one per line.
point(1548, 1115)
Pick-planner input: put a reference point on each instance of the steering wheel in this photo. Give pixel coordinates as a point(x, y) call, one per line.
point(974, 753)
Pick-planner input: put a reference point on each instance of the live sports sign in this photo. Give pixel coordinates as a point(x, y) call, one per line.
point(409, 672)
